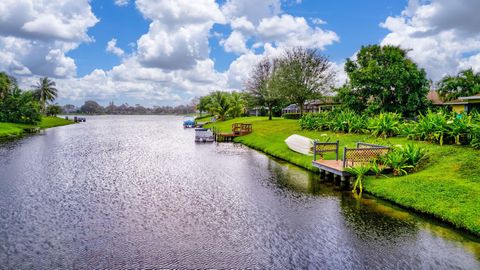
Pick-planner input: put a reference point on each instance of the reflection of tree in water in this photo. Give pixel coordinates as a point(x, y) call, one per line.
point(375, 221)
point(287, 176)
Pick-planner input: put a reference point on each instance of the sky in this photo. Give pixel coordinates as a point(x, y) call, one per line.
point(167, 52)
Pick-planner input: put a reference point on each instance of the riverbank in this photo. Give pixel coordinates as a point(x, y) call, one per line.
point(447, 187)
point(14, 130)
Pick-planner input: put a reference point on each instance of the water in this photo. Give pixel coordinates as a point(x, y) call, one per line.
point(137, 192)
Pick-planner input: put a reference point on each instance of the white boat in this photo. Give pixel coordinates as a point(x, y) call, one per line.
point(203, 135)
point(300, 144)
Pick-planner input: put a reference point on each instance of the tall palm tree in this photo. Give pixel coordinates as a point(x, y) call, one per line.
point(237, 104)
point(45, 91)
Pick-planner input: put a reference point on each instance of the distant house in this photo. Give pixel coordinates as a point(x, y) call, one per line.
point(257, 111)
point(465, 104)
point(313, 106)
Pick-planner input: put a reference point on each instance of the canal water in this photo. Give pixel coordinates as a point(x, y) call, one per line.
point(137, 192)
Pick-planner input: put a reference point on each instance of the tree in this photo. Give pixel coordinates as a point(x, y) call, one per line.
point(384, 79)
point(466, 83)
point(261, 87)
point(53, 110)
point(91, 107)
point(45, 91)
point(220, 104)
point(203, 104)
point(237, 104)
point(19, 107)
point(7, 85)
point(303, 74)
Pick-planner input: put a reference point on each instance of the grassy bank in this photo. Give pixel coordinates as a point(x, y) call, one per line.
point(447, 187)
point(12, 130)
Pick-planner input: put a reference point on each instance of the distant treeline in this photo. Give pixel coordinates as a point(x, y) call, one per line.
point(92, 107)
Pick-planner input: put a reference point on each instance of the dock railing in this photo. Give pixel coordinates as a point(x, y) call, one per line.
point(324, 147)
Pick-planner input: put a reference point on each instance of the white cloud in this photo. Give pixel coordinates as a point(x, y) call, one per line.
point(235, 43)
point(289, 31)
point(439, 33)
point(252, 10)
point(121, 3)
point(112, 48)
point(36, 35)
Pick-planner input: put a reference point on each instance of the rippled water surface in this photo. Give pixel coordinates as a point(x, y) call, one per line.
point(137, 192)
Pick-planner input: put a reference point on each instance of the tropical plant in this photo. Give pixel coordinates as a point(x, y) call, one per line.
point(397, 161)
point(347, 121)
point(475, 137)
point(359, 172)
point(465, 83)
point(385, 124)
point(19, 107)
point(413, 154)
point(45, 91)
point(220, 104)
point(237, 104)
point(376, 167)
point(203, 104)
point(53, 110)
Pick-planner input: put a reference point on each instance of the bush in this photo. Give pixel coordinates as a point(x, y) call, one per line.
point(385, 124)
point(53, 110)
point(347, 121)
point(317, 121)
point(292, 115)
point(20, 107)
point(403, 159)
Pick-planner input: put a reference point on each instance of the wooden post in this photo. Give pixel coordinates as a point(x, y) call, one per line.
point(344, 183)
point(337, 180)
point(322, 175)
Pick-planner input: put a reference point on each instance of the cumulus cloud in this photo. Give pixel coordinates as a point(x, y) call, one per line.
point(36, 35)
point(444, 36)
point(112, 48)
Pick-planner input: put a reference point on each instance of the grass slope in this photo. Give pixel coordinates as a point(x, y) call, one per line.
point(447, 187)
point(11, 130)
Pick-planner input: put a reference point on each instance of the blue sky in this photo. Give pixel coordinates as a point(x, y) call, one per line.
point(162, 52)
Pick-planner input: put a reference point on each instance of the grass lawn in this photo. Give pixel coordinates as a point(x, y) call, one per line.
point(9, 130)
point(447, 187)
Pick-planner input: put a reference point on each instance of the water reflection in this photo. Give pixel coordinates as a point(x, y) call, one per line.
point(137, 192)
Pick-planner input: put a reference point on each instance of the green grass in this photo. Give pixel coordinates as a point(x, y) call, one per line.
point(447, 187)
point(11, 130)
point(204, 118)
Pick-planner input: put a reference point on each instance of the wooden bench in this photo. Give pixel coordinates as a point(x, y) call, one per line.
point(362, 154)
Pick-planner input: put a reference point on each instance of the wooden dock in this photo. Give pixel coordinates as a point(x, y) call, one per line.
point(238, 129)
point(363, 154)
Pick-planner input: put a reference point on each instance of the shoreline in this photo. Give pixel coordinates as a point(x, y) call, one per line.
point(446, 196)
point(14, 131)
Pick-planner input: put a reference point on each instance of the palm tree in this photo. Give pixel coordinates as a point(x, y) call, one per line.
point(220, 104)
point(45, 91)
point(237, 104)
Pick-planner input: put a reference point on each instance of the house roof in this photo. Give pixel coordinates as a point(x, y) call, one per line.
point(435, 98)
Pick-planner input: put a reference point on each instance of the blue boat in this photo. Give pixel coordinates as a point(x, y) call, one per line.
point(188, 122)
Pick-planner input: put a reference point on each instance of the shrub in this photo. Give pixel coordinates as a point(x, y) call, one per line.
point(347, 121)
point(292, 115)
point(397, 161)
point(475, 137)
point(385, 124)
point(359, 172)
point(20, 107)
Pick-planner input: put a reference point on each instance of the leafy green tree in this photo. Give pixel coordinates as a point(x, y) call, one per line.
point(45, 91)
point(384, 79)
point(260, 85)
point(7, 85)
point(53, 110)
point(19, 107)
point(203, 104)
point(465, 83)
point(237, 104)
point(220, 104)
point(303, 74)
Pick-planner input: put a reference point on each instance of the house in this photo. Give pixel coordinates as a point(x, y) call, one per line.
point(313, 106)
point(465, 104)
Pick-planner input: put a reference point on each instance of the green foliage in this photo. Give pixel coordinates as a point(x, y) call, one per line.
point(237, 104)
point(19, 107)
point(347, 121)
point(413, 154)
point(303, 74)
point(292, 115)
point(203, 104)
point(397, 161)
point(53, 110)
point(384, 79)
point(465, 83)
point(385, 124)
point(91, 107)
point(220, 104)
point(45, 91)
point(475, 137)
point(359, 172)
